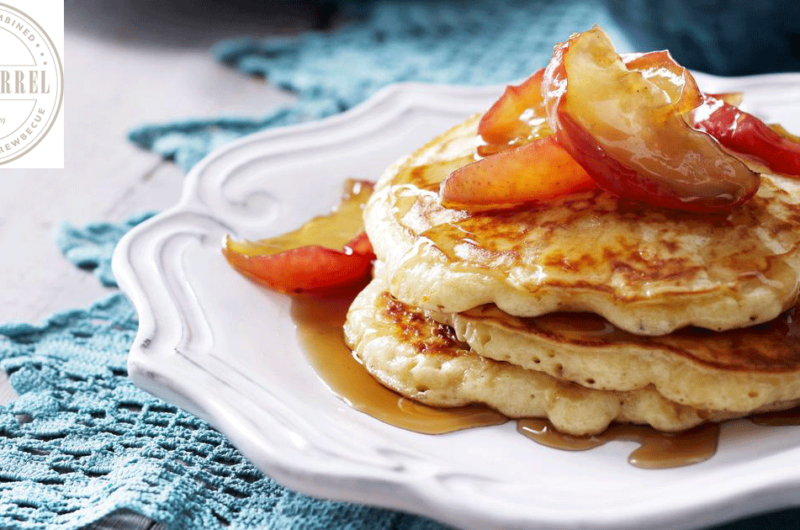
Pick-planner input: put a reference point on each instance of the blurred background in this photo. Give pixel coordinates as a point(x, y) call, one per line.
point(723, 37)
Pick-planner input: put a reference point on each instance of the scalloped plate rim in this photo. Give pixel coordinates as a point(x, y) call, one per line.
point(150, 374)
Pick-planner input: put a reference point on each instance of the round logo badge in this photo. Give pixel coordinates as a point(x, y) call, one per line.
point(31, 83)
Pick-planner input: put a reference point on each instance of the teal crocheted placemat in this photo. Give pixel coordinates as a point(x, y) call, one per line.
point(81, 441)
point(470, 43)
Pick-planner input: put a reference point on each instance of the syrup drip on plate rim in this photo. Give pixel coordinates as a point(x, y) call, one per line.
point(657, 450)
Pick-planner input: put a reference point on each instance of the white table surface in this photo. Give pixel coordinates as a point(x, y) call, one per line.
point(119, 74)
point(126, 63)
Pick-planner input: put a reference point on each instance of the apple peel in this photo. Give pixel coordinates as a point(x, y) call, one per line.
point(303, 261)
point(516, 118)
point(745, 134)
point(537, 171)
point(632, 136)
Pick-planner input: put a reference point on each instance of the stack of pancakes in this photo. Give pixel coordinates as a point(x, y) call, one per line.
point(585, 309)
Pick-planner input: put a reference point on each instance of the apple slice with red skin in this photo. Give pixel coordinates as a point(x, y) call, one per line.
point(743, 133)
point(302, 261)
point(631, 135)
point(312, 269)
point(718, 115)
point(536, 171)
point(516, 118)
point(541, 170)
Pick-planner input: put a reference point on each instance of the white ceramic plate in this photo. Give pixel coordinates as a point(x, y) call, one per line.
point(217, 345)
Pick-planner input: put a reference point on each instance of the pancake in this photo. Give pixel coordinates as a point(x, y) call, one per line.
point(424, 360)
point(739, 370)
point(648, 271)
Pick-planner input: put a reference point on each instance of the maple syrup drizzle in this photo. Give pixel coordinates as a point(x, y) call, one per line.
point(319, 330)
point(657, 450)
point(319, 324)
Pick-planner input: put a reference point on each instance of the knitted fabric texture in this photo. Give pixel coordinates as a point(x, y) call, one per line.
point(82, 441)
point(90, 248)
point(482, 42)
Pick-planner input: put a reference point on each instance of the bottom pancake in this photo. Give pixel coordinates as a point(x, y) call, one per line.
point(423, 360)
point(739, 370)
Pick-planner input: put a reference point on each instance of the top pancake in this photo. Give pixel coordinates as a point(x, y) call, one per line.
point(647, 270)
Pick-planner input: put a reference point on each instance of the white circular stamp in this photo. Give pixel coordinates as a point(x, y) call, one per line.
point(31, 83)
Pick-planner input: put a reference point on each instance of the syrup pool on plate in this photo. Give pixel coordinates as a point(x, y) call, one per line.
point(320, 319)
point(319, 324)
point(319, 330)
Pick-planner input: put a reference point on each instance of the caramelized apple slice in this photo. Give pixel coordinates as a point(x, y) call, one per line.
point(536, 171)
point(627, 133)
point(663, 71)
point(744, 133)
point(516, 118)
point(311, 269)
point(326, 254)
